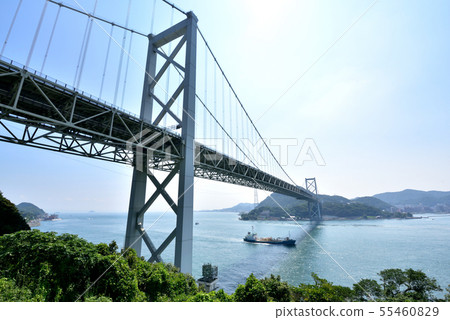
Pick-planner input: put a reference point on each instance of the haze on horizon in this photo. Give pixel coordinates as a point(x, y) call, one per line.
point(367, 82)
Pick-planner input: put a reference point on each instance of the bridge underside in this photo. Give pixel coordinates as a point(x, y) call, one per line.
point(44, 113)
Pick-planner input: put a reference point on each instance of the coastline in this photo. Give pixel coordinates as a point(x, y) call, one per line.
point(335, 218)
point(37, 222)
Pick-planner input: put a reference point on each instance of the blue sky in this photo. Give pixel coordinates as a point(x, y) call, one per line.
point(376, 103)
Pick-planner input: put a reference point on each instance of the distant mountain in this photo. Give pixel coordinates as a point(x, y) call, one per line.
point(31, 212)
point(385, 205)
point(333, 199)
point(332, 206)
point(241, 207)
point(275, 199)
point(373, 202)
point(411, 197)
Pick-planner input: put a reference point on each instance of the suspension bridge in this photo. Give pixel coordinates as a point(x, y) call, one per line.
point(183, 104)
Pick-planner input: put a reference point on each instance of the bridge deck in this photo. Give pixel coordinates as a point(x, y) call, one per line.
point(55, 116)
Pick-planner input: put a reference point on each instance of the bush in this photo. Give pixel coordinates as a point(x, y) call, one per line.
point(276, 289)
point(322, 291)
point(67, 268)
point(9, 292)
point(252, 291)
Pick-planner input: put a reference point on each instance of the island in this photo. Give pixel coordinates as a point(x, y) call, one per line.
point(401, 205)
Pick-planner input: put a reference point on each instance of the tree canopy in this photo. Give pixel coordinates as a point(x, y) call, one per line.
point(10, 218)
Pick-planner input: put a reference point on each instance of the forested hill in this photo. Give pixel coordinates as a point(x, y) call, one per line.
point(241, 207)
point(276, 199)
point(411, 197)
point(31, 212)
point(332, 207)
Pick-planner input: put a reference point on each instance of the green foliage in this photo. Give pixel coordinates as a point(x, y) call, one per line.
point(408, 285)
point(10, 218)
point(37, 266)
point(162, 282)
point(201, 297)
point(367, 290)
point(98, 299)
point(322, 291)
point(349, 210)
point(252, 291)
point(57, 266)
point(276, 289)
point(9, 292)
point(221, 296)
point(373, 202)
point(116, 280)
point(66, 267)
point(31, 212)
point(359, 208)
point(392, 279)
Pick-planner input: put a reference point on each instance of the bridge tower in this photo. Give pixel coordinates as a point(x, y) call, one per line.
point(314, 207)
point(185, 34)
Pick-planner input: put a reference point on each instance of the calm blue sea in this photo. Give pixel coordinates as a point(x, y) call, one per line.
point(339, 251)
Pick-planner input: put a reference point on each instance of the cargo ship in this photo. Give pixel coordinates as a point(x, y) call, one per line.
point(252, 237)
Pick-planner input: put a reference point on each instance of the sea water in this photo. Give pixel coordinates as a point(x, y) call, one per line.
point(340, 251)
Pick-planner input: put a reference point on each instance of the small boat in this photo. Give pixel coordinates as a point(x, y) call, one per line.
point(252, 237)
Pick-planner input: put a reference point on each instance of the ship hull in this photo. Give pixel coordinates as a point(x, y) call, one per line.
point(289, 242)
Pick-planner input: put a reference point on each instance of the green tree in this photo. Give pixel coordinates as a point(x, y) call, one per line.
point(221, 296)
point(252, 291)
point(276, 289)
point(164, 282)
point(66, 267)
point(367, 290)
point(392, 280)
point(10, 218)
point(408, 285)
point(61, 268)
point(9, 292)
point(322, 291)
point(419, 286)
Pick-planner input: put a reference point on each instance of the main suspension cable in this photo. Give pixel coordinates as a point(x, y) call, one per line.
point(106, 61)
point(36, 35)
point(126, 70)
point(51, 38)
point(93, 16)
point(83, 59)
point(124, 39)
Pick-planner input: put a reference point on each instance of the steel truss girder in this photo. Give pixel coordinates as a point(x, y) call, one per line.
point(212, 165)
point(88, 127)
point(33, 101)
point(51, 139)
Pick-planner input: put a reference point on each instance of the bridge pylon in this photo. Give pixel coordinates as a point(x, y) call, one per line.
point(314, 206)
point(185, 34)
